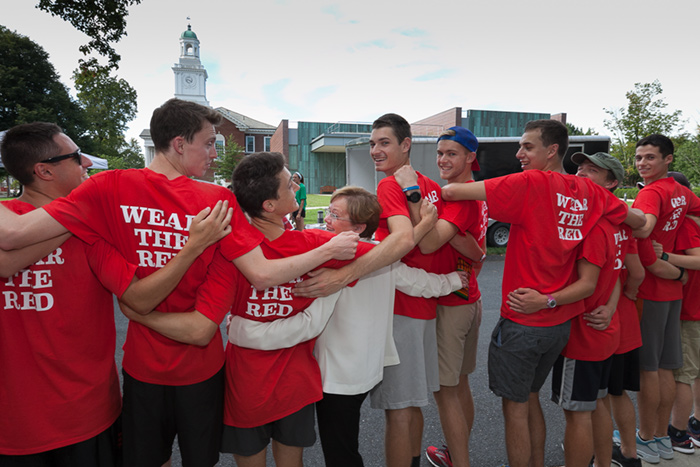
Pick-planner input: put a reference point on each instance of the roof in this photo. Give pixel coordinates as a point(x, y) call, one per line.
point(243, 122)
point(189, 34)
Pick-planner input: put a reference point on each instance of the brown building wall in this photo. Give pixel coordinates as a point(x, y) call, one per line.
point(280, 139)
point(434, 125)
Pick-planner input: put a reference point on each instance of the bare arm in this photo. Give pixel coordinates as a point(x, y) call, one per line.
point(13, 260)
point(188, 328)
point(143, 295)
point(394, 247)
point(263, 273)
point(600, 317)
point(645, 230)
point(690, 260)
point(467, 246)
point(635, 275)
point(525, 300)
point(464, 191)
point(33, 227)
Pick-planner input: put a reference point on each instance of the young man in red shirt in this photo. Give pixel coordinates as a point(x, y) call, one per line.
point(665, 204)
point(60, 395)
point(462, 224)
point(524, 346)
point(405, 387)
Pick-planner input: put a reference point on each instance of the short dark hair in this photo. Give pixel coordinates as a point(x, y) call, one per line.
point(25, 145)
point(551, 132)
point(179, 118)
point(662, 142)
point(398, 124)
point(363, 208)
point(255, 180)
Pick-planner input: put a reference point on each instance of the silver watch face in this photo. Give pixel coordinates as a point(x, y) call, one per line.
point(551, 303)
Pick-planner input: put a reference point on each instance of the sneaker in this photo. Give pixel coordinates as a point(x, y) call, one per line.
point(680, 440)
point(616, 438)
point(694, 430)
point(663, 445)
point(619, 458)
point(439, 457)
point(647, 451)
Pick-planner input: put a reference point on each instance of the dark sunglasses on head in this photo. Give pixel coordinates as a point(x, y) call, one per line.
point(77, 155)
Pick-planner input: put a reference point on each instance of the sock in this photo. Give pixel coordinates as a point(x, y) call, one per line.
point(694, 423)
point(415, 462)
point(675, 432)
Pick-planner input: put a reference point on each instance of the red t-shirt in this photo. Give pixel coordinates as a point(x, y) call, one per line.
point(689, 238)
point(550, 214)
point(265, 385)
point(467, 216)
point(58, 380)
point(600, 247)
point(630, 332)
point(146, 217)
point(669, 202)
point(394, 203)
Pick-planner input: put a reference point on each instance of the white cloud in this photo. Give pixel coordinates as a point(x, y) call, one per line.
point(352, 61)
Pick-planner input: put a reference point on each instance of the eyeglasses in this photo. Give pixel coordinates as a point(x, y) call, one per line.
point(335, 217)
point(77, 155)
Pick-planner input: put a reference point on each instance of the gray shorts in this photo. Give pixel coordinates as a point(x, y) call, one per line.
point(661, 336)
point(520, 357)
point(410, 383)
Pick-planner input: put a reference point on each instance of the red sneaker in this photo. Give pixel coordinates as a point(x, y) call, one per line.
point(439, 457)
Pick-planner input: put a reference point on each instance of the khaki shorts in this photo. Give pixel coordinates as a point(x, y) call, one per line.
point(457, 339)
point(690, 341)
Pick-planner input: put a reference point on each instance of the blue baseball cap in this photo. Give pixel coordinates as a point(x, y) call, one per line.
point(464, 137)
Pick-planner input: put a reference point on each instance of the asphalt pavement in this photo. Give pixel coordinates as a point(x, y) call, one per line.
point(487, 445)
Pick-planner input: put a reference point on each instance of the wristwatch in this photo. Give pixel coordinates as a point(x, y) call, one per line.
point(551, 303)
point(664, 256)
point(414, 197)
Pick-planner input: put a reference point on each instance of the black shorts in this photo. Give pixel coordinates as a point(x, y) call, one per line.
point(624, 375)
point(103, 450)
point(578, 384)
point(295, 430)
point(153, 414)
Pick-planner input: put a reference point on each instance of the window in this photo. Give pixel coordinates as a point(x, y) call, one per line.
point(267, 143)
point(250, 144)
point(220, 145)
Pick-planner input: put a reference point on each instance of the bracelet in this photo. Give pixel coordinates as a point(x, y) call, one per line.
point(682, 272)
point(414, 187)
point(664, 256)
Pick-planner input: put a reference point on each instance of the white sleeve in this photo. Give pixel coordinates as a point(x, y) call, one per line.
point(285, 332)
point(419, 283)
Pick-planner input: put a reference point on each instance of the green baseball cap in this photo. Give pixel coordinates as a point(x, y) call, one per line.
point(603, 160)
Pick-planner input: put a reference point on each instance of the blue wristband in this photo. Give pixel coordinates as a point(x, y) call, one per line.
point(415, 187)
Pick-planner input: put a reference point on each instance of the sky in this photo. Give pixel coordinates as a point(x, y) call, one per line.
point(311, 60)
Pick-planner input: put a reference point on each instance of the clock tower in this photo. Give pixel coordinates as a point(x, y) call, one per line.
point(190, 75)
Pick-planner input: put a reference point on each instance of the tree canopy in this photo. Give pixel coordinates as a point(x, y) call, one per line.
point(30, 89)
point(104, 21)
point(233, 153)
point(644, 115)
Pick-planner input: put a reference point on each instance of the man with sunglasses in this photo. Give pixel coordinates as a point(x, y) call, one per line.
point(60, 398)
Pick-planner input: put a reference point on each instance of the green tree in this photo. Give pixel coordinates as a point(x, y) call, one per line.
point(130, 157)
point(30, 89)
point(104, 21)
point(645, 114)
point(686, 156)
point(576, 131)
point(233, 153)
point(109, 104)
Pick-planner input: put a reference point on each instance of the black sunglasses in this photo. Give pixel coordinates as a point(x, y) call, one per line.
point(77, 155)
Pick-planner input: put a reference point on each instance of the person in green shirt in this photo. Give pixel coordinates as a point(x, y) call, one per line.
point(299, 214)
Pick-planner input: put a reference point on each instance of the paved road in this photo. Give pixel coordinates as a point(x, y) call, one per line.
point(487, 441)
